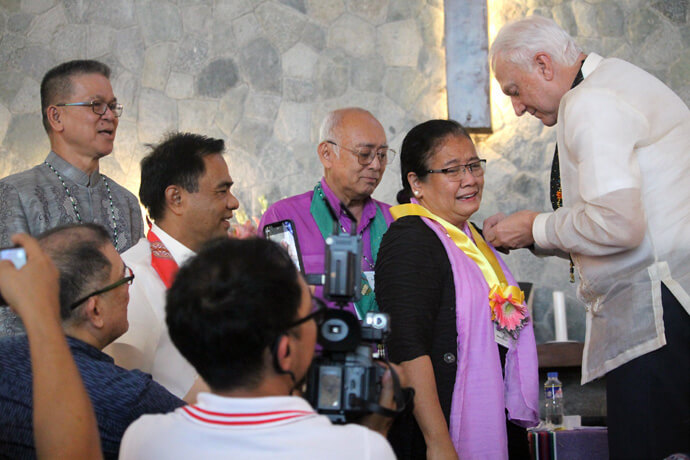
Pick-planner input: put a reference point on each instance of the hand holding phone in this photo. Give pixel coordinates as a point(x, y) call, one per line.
point(34, 287)
point(285, 234)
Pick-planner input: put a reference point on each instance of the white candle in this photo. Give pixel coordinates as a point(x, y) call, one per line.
point(559, 317)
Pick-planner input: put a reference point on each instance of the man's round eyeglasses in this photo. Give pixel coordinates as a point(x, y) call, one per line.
point(127, 279)
point(98, 107)
point(365, 155)
point(456, 173)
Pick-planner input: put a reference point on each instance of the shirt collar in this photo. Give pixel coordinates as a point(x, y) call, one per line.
point(591, 62)
point(368, 212)
point(71, 172)
point(89, 350)
point(177, 250)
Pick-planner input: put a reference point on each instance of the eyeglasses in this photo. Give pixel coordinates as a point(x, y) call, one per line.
point(318, 313)
point(365, 155)
point(456, 173)
point(127, 279)
point(98, 107)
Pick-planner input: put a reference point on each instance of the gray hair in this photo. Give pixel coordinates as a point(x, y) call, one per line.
point(519, 41)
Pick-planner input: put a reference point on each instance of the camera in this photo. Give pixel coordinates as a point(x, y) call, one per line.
point(344, 383)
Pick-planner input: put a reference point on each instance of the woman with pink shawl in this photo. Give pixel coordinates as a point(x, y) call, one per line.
point(460, 328)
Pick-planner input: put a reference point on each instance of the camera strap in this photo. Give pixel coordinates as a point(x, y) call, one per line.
point(403, 397)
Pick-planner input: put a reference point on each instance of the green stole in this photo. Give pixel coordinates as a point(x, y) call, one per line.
point(324, 220)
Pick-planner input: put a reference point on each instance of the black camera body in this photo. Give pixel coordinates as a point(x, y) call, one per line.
point(344, 383)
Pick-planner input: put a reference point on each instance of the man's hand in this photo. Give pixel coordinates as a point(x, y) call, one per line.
point(512, 232)
point(381, 423)
point(33, 290)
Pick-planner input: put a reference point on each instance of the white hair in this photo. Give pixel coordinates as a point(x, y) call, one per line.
point(519, 41)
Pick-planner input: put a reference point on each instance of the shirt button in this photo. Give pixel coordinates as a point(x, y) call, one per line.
point(448, 358)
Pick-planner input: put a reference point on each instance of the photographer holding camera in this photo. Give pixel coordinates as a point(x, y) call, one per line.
point(242, 315)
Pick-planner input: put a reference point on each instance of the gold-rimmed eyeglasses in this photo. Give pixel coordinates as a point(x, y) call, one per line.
point(365, 155)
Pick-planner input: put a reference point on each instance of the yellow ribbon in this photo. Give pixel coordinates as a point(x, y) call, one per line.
point(476, 250)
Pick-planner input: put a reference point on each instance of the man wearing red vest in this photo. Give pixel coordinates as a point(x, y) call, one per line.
point(185, 186)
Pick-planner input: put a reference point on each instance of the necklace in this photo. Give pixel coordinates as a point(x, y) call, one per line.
point(75, 205)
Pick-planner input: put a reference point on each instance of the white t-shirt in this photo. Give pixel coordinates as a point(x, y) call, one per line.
point(277, 427)
point(146, 345)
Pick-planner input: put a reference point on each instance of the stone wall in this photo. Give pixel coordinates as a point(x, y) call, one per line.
point(262, 73)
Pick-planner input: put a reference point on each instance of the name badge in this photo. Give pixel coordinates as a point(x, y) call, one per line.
point(501, 337)
point(370, 278)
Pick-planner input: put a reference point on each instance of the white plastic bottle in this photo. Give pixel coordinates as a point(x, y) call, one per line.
point(553, 397)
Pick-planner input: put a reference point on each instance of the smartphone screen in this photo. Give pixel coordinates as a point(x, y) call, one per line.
point(16, 255)
point(284, 234)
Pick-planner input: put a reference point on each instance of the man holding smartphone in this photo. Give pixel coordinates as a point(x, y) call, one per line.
point(185, 186)
point(354, 153)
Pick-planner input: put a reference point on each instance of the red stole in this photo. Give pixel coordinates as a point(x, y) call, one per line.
point(161, 260)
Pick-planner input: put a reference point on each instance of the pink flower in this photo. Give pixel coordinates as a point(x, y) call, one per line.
point(509, 316)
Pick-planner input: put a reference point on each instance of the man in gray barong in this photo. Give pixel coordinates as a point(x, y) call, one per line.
point(80, 114)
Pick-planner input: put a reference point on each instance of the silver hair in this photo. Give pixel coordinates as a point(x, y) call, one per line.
point(519, 41)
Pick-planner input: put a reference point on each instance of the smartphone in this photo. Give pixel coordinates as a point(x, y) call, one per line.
point(284, 234)
point(17, 256)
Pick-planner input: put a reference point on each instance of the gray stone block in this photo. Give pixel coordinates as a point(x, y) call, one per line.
point(563, 15)
point(9, 43)
point(5, 117)
point(400, 10)
point(299, 62)
point(191, 55)
point(399, 43)
point(352, 34)
point(679, 72)
point(373, 11)
point(251, 135)
point(69, 42)
point(641, 23)
point(157, 63)
point(661, 48)
point(159, 21)
point(117, 13)
point(195, 19)
point(10, 5)
point(229, 10)
point(230, 109)
point(298, 90)
point(314, 36)
point(180, 86)
point(44, 26)
point(431, 25)
point(75, 10)
point(675, 10)
point(26, 136)
point(610, 20)
point(367, 74)
point(260, 63)
point(223, 39)
point(246, 29)
point(19, 22)
point(36, 6)
point(585, 17)
point(99, 40)
point(129, 49)
point(282, 24)
point(262, 106)
point(217, 77)
point(33, 60)
point(325, 11)
point(195, 116)
point(157, 116)
point(332, 73)
point(403, 85)
point(10, 83)
point(292, 123)
point(296, 4)
point(28, 98)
